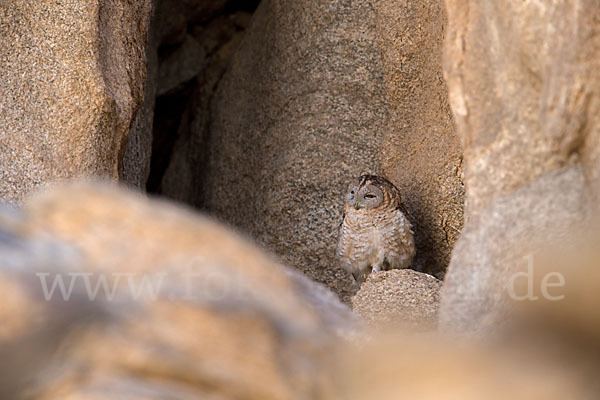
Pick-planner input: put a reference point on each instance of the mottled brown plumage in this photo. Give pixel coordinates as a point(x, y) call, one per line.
point(375, 233)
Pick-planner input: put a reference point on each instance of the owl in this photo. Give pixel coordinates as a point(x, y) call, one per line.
point(375, 233)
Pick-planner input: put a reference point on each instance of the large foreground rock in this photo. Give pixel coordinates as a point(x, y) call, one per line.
point(225, 321)
point(73, 76)
point(508, 238)
point(534, 113)
point(192, 310)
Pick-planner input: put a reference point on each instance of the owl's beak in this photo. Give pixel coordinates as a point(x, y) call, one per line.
point(356, 205)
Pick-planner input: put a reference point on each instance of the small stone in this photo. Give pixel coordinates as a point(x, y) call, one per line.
point(399, 298)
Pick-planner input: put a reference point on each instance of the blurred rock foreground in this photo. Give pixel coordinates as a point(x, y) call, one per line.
point(192, 310)
point(258, 114)
point(218, 319)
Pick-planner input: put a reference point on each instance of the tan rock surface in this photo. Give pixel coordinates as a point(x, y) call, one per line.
point(138, 153)
point(522, 81)
point(299, 113)
point(528, 114)
point(32, 327)
point(295, 115)
point(400, 298)
point(73, 76)
point(421, 152)
point(507, 238)
point(550, 349)
point(296, 118)
point(266, 339)
point(421, 367)
point(197, 310)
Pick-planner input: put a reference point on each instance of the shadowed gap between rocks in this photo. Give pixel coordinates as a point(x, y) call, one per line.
point(191, 61)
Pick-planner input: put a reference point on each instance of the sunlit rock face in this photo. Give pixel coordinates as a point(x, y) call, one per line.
point(522, 82)
point(73, 78)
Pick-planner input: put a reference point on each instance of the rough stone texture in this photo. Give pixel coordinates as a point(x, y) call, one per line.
point(223, 321)
point(269, 335)
point(185, 170)
point(174, 16)
point(399, 298)
point(544, 56)
point(73, 75)
point(299, 113)
point(136, 161)
point(421, 152)
point(536, 111)
point(174, 58)
point(501, 242)
point(296, 115)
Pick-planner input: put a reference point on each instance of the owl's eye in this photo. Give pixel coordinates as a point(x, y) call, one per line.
point(352, 192)
point(370, 196)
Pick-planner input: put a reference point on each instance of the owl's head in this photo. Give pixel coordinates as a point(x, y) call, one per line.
point(371, 191)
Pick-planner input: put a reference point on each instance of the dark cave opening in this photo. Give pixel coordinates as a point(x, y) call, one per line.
point(189, 43)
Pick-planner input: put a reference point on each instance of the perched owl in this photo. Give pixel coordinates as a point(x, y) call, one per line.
point(375, 233)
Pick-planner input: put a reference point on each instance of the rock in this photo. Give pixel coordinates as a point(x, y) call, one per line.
point(539, 60)
point(286, 123)
point(185, 53)
point(399, 298)
point(550, 350)
point(539, 54)
point(197, 311)
point(566, 310)
point(182, 65)
point(73, 76)
point(299, 112)
point(176, 15)
point(422, 367)
point(96, 218)
point(185, 164)
point(507, 238)
point(32, 326)
point(421, 152)
point(138, 153)
point(269, 335)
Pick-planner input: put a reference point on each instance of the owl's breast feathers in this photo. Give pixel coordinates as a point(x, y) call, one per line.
point(374, 237)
